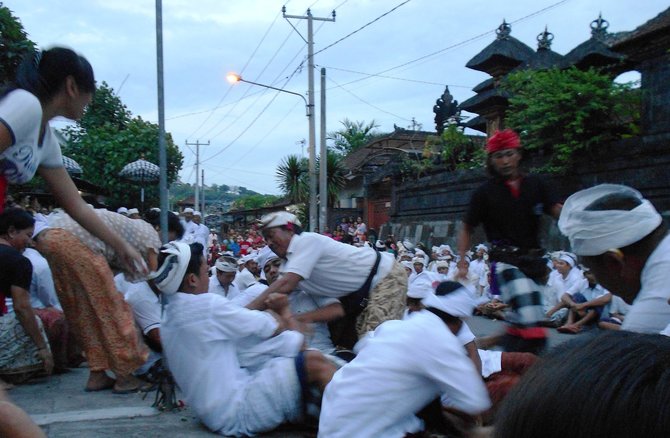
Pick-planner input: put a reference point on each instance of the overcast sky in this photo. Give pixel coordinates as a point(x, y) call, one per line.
point(411, 53)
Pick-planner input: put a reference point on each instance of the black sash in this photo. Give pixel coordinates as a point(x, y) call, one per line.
point(355, 302)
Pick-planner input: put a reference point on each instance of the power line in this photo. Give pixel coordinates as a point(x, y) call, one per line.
point(245, 66)
point(394, 77)
point(366, 102)
point(247, 127)
point(361, 28)
point(453, 46)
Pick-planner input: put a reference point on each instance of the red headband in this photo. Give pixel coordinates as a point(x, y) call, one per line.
point(500, 140)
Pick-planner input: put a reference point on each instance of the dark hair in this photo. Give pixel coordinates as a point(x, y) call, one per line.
point(614, 385)
point(43, 73)
point(196, 259)
point(174, 224)
point(17, 218)
point(447, 287)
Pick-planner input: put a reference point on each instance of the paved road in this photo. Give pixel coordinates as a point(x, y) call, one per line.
point(63, 409)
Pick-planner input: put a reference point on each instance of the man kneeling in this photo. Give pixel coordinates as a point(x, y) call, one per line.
point(199, 332)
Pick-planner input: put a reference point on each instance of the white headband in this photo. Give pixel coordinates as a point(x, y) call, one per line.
point(458, 303)
point(170, 275)
point(567, 259)
point(226, 264)
point(420, 288)
point(593, 233)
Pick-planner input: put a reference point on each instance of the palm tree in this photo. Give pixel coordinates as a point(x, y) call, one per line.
point(292, 177)
point(336, 179)
point(354, 135)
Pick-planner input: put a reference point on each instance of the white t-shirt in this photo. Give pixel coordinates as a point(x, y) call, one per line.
point(331, 268)
point(650, 312)
point(42, 289)
point(302, 302)
point(199, 334)
point(21, 113)
point(146, 306)
point(571, 284)
point(400, 369)
point(216, 288)
point(244, 279)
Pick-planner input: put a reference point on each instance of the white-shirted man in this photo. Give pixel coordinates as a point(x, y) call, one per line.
point(222, 282)
point(402, 368)
point(370, 285)
point(200, 331)
point(621, 237)
point(246, 275)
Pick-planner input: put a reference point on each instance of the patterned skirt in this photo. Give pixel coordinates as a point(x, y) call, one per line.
point(95, 311)
point(18, 352)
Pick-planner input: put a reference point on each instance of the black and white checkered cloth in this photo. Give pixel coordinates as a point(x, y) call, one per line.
point(522, 294)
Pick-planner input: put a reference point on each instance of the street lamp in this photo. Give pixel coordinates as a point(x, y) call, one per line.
point(313, 214)
point(233, 78)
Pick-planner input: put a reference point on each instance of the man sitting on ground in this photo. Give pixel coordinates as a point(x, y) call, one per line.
point(586, 305)
point(199, 333)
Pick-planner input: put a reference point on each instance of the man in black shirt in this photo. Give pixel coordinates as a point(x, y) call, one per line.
point(509, 206)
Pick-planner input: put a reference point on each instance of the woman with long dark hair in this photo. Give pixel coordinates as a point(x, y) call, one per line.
point(52, 83)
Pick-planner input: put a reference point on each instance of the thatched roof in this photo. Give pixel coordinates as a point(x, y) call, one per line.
point(484, 99)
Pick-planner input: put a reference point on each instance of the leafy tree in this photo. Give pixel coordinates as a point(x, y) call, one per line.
point(335, 175)
point(353, 135)
point(292, 176)
point(563, 112)
point(250, 202)
point(107, 138)
point(14, 44)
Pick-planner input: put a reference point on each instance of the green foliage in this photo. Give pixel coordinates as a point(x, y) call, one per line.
point(564, 112)
point(335, 175)
point(452, 150)
point(352, 136)
point(107, 138)
point(292, 176)
point(14, 44)
point(250, 202)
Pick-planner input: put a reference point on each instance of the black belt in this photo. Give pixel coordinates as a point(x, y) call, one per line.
point(355, 302)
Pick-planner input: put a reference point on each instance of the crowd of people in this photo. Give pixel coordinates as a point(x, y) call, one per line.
point(354, 334)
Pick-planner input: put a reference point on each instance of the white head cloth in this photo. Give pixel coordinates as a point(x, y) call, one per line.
point(133, 211)
point(418, 261)
point(170, 274)
point(264, 256)
point(407, 264)
point(593, 233)
point(226, 264)
point(420, 288)
point(481, 246)
point(458, 303)
point(41, 224)
point(122, 210)
point(279, 218)
point(567, 258)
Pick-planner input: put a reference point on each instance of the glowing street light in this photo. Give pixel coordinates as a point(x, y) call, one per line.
point(313, 213)
point(234, 78)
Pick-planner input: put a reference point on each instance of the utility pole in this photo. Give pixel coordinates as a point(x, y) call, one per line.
point(323, 160)
point(312, 126)
point(196, 197)
point(202, 182)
